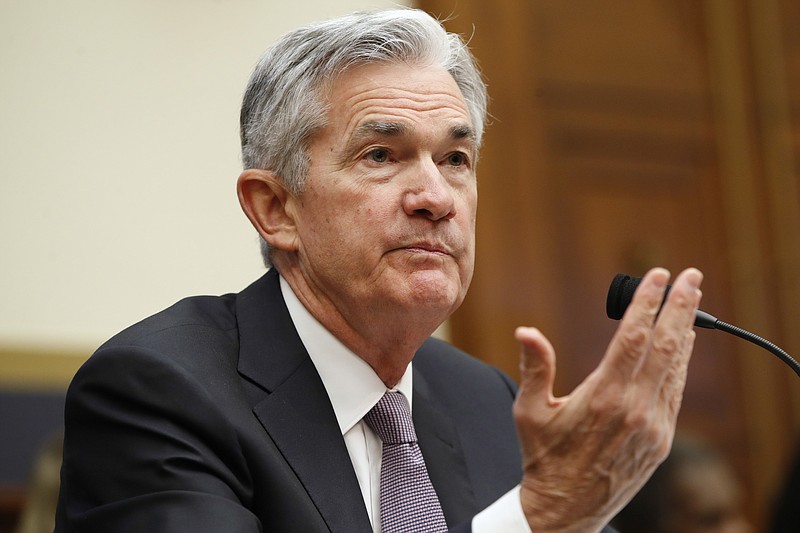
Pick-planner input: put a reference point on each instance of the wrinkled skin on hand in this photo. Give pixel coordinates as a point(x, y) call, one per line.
point(586, 455)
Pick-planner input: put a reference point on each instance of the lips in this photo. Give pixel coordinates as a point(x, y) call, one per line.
point(426, 247)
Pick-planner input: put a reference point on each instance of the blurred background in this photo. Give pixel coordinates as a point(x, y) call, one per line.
point(624, 134)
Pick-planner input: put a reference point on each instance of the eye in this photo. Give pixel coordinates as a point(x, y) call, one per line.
point(378, 155)
point(457, 159)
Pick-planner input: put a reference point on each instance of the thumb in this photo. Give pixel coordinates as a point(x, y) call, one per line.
point(537, 366)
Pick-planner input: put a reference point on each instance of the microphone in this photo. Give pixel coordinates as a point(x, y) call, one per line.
point(620, 294)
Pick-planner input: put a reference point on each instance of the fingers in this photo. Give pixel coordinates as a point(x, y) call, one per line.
point(651, 339)
point(673, 337)
point(537, 366)
point(676, 379)
point(633, 337)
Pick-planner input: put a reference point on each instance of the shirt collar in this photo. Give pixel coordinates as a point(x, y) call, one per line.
point(352, 385)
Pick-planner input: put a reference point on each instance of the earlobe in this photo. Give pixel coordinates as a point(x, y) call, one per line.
point(266, 202)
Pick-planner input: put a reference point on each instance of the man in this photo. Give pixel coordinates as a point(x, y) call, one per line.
point(254, 411)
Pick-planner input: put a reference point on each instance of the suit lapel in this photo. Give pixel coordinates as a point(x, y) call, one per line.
point(300, 420)
point(295, 409)
point(444, 458)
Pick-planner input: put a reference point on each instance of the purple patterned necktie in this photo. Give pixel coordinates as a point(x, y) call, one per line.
point(408, 501)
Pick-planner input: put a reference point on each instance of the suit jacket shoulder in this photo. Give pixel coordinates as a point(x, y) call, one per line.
point(208, 416)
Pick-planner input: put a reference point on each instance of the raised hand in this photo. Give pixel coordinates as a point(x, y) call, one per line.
point(585, 455)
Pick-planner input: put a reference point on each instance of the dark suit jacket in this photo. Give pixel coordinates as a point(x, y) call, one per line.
point(210, 417)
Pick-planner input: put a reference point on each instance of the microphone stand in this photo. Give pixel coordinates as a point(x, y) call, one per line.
point(760, 341)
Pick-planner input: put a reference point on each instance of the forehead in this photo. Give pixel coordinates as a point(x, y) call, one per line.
point(413, 95)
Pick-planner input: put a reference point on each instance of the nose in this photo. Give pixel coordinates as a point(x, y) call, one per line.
point(429, 195)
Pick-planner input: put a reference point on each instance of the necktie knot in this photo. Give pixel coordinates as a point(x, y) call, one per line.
point(390, 419)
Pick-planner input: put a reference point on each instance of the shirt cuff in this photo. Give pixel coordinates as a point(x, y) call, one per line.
point(503, 515)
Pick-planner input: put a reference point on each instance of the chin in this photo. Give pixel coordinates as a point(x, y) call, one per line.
point(435, 291)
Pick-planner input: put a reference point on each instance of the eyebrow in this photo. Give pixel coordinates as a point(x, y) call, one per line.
point(388, 128)
point(372, 128)
point(392, 129)
point(463, 132)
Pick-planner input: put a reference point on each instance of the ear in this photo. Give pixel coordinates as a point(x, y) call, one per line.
point(268, 205)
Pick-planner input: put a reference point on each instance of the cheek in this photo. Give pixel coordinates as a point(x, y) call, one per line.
point(356, 230)
point(468, 198)
point(469, 221)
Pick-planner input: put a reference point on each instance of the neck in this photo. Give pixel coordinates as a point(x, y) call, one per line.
point(387, 341)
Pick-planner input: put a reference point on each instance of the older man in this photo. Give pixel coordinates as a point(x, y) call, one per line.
point(288, 406)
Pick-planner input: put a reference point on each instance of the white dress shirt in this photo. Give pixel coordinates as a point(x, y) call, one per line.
point(354, 388)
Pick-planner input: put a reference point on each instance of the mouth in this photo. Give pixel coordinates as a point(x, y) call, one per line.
point(426, 248)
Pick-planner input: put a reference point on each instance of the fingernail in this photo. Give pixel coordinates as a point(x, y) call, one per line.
point(694, 278)
point(662, 278)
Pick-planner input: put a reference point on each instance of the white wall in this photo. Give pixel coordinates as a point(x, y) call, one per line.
point(119, 157)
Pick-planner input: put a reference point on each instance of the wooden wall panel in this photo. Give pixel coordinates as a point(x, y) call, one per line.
point(632, 134)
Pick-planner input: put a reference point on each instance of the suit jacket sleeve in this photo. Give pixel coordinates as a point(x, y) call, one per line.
point(145, 453)
point(208, 416)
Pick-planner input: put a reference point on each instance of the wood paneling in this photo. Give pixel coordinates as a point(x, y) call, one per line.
point(632, 134)
point(38, 369)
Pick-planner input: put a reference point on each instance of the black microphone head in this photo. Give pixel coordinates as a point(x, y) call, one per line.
point(620, 294)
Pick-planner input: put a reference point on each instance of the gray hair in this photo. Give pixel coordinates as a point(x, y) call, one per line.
point(284, 103)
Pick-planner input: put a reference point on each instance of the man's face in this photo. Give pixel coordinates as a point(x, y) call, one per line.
point(386, 221)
